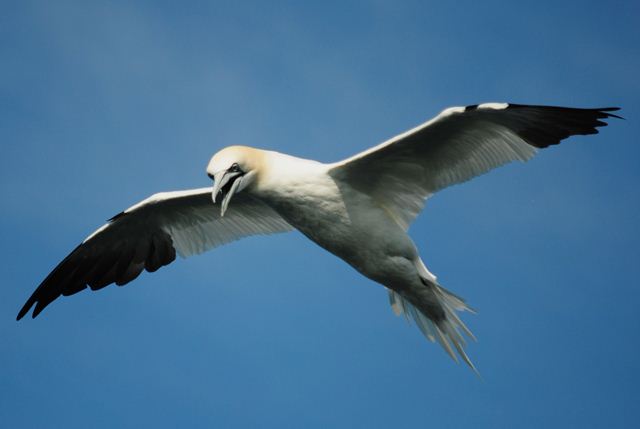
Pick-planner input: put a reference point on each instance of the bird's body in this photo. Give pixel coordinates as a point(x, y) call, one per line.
point(342, 220)
point(332, 214)
point(358, 209)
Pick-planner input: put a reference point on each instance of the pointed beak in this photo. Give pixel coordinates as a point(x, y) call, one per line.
point(229, 194)
point(221, 179)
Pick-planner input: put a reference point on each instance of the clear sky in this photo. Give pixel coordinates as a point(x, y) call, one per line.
point(105, 103)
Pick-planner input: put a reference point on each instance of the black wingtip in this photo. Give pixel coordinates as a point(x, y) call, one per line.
point(606, 111)
point(40, 305)
point(25, 309)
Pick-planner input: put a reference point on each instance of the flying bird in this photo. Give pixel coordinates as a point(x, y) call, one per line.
point(359, 209)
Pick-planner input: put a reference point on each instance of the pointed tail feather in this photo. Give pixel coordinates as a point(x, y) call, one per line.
point(446, 331)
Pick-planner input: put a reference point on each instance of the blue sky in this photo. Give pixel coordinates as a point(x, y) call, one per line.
point(105, 103)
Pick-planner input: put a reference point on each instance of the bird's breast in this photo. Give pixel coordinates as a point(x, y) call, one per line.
point(312, 204)
point(339, 219)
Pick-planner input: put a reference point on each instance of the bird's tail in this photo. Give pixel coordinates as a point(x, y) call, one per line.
point(448, 330)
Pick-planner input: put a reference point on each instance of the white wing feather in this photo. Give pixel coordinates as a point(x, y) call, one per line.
point(195, 224)
point(455, 146)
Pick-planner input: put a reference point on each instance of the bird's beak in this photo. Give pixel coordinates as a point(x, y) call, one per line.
point(220, 182)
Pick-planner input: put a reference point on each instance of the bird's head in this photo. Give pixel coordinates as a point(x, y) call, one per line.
point(233, 169)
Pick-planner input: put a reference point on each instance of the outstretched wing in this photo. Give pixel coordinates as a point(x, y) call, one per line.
point(457, 145)
point(148, 235)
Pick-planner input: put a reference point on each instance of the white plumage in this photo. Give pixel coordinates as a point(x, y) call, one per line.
point(358, 209)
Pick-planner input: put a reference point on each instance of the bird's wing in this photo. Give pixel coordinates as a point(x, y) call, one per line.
point(148, 235)
point(457, 145)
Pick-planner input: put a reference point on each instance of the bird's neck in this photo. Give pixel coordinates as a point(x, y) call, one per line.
point(281, 171)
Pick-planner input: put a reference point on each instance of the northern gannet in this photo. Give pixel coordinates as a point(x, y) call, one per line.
point(359, 209)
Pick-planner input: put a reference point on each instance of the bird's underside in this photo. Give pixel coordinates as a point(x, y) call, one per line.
point(359, 209)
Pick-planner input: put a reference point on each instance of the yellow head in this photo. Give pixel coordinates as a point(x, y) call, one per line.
point(232, 170)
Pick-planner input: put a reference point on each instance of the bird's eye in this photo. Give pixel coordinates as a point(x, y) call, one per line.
point(234, 168)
